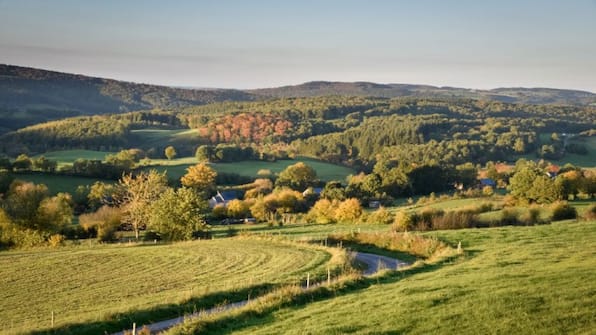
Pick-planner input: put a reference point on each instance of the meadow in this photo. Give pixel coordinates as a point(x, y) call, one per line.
point(510, 280)
point(176, 168)
point(90, 289)
point(59, 183)
point(69, 156)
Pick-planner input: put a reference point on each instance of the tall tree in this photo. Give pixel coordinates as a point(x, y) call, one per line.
point(298, 177)
point(135, 195)
point(178, 214)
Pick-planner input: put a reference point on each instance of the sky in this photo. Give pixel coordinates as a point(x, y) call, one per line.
point(253, 44)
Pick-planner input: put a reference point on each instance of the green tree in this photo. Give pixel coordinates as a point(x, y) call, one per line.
point(22, 163)
point(523, 178)
point(100, 193)
point(204, 153)
point(178, 214)
point(298, 177)
point(170, 152)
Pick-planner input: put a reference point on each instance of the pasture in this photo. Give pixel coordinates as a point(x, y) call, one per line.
point(58, 183)
point(162, 137)
point(93, 285)
point(176, 168)
point(511, 280)
point(69, 156)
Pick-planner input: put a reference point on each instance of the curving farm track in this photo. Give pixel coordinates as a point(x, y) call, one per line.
point(373, 263)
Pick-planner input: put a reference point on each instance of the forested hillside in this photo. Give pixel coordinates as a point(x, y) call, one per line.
point(29, 96)
point(512, 95)
point(355, 131)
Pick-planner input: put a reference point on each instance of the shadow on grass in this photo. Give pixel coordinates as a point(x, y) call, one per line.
point(264, 314)
point(121, 321)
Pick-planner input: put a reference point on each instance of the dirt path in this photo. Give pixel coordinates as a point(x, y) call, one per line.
point(373, 264)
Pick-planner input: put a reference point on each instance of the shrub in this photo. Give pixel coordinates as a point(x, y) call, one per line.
point(590, 212)
point(105, 221)
point(323, 211)
point(348, 210)
point(56, 240)
point(454, 220)
point(530, 217)
point(403, 221)
point(508, 216)
point(488, 191)
point(563, 211)
point(426, 216)
point(381, 215)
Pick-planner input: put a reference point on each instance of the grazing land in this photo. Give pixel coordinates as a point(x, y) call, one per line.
point(92, 284)
point(512, 280)
point(59, 183)
point(176, 168)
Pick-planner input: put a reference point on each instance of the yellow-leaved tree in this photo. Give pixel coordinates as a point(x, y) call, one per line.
point(201, 178)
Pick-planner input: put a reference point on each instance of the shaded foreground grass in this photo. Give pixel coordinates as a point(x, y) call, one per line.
point(511, 280)
point(90, 288)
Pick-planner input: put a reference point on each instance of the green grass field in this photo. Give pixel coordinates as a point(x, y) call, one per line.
point(58, 183)
point(69, 156)
point(176, 168)
point(159, 137)
point(298, 231)
point(512, 280)
point(585, 161)
point(91, 284)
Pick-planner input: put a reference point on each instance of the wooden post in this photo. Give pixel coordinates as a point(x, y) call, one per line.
point(308, 280)
point(328, 276)
point(134, 328)
point(52, 319)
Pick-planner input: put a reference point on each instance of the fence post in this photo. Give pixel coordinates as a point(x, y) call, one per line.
point(52, 319)
point(307, 280)
point(134, 328)
point(328, 276)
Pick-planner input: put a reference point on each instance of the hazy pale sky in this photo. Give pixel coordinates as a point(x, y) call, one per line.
point(250, 44)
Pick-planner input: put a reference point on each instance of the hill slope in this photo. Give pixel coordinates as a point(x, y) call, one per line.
point(510, 95)
point(29, 96)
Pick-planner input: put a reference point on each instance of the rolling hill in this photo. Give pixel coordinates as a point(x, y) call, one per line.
point(510, 95)
point(29, 96)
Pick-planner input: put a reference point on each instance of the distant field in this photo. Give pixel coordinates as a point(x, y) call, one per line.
point(160, 137)
point(325, 171)
point(69, 156)
point(299, 231)
point(57, 183)
point(176, 168)
point(586, 161)
point(513, 280)
point(89, 284)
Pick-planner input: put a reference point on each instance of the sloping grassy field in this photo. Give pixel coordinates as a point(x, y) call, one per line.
point(176, 168)
point(58, 183)
point(512, 280)
point(91, 285)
